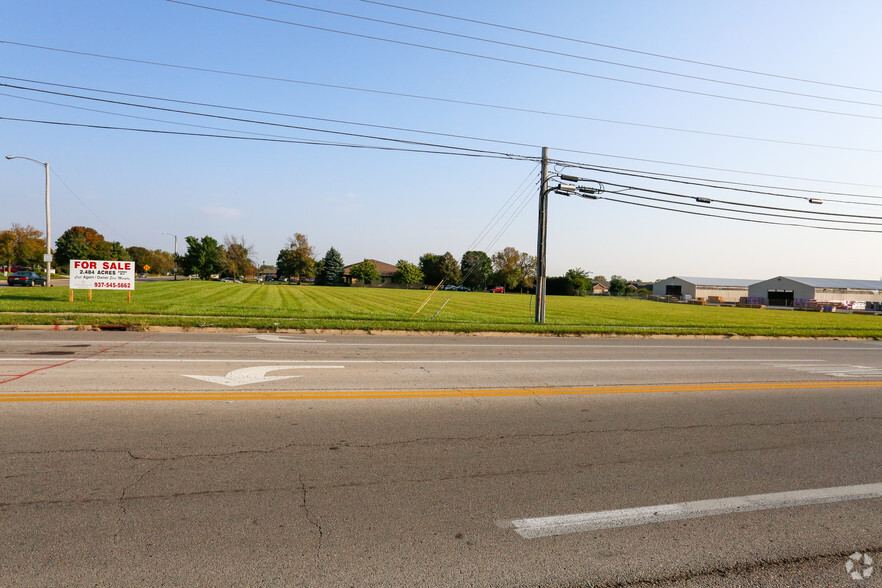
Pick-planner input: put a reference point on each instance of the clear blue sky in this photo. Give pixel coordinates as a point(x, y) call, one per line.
point(392, 204)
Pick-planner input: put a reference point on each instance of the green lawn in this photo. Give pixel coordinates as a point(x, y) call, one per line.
point(278, 306)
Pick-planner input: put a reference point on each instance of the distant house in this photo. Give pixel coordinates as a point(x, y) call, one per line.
point(387, 270)
point(599, 287)
point(266, 271)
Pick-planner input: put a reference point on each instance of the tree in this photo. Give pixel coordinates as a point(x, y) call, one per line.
point(160, 262)
point(7, 249)
point(477, 267)
point(506, 264)
point(237, 256)
point(22, 245)
point(449, 269)
point(163, 262)
point(514, 269)
point(332, 269)
point(80, 243)
point(617, 286)
point(141, 256)
point(296, 259)
point(117, 252)
point(600, 278)
point(527, 265)
point(407, 273)
point(365, 271)
point(204, 257)
point(578, 282)
point(430, 265)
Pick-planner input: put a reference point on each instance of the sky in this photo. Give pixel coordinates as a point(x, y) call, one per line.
point(423, 133)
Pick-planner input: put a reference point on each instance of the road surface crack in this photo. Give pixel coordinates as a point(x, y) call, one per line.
point(310, 517)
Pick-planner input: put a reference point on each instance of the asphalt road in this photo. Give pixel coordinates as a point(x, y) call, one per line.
point(236, 459)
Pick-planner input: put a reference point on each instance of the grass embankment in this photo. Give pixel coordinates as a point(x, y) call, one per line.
point(262, 306)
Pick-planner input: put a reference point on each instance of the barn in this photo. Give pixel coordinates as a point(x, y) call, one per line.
point(727, 289)
point(793, 291)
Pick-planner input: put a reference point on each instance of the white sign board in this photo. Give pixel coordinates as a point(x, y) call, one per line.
point(102, 275)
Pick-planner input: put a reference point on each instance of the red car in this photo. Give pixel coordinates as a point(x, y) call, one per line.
point(498, 290)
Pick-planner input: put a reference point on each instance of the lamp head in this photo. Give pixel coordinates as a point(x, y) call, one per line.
point(10, 157)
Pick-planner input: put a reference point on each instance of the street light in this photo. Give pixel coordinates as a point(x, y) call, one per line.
point(176, 253)
point(48, 257)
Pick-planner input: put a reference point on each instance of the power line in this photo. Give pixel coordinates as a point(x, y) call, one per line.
point(764, 214)
point(526, 64)
point(626, 49)
point(250, 121)
point(423, 97)
point(705, 183)
point(662, 176)
point(288, 115)
point(373, 137)
point(747, 220)
point(449, 135)
point(478, 104)
point(460, 151)
point(570, 55)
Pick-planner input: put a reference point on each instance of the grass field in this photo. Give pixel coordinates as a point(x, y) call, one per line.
point(262, 306)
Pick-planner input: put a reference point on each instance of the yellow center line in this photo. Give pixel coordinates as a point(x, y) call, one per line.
point(387, 394)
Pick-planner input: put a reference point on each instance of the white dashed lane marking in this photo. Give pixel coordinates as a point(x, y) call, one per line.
point(534, 528)
point(833, 370)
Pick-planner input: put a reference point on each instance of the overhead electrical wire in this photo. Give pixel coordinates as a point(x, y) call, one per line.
point(415, 96)
point(770, 214)
point(148, 118)
point(715, 183)
point(625, 49)
point(643, 175)
point(706, 183)
point(526, 64)
point(403, 129)
point(250, 121)
point(747, 220)
point(458, 151)
point(483, 155)
point(427, 98)
point(569, 55)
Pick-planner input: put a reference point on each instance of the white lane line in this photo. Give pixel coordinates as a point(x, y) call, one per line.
point(868, 346)
point(534, 528)
point(414, 361)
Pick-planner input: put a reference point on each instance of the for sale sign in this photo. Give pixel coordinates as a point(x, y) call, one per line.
point(102, 275)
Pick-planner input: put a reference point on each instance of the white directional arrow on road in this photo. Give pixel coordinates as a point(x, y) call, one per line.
point(257, 374)
point(284, 339)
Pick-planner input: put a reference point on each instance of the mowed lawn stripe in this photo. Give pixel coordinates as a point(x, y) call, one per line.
point(188, 303)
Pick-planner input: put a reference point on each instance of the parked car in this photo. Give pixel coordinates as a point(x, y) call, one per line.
point(25, 279)
point(498, 290)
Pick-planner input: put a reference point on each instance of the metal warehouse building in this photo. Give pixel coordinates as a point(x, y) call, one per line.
point(790, 291)
point(728, 289)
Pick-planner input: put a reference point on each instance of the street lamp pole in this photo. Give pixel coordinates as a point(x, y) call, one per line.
point(48, 258)
point(176, 253)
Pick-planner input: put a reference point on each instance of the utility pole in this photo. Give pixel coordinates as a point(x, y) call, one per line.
point(540, 246)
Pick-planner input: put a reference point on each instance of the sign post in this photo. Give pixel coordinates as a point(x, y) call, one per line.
point(102, 275)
